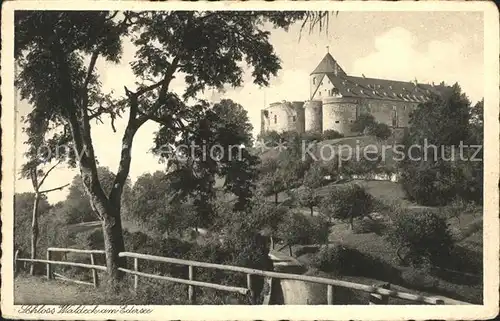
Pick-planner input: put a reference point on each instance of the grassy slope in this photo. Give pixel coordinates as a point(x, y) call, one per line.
point(467, 231)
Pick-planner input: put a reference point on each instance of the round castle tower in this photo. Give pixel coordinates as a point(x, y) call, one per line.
point(313, 112)
point(339, 114)
point(283, 116)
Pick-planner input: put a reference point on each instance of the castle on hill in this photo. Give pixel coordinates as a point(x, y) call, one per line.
point(337, 99)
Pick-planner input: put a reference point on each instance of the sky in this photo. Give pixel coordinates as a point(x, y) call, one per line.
point(427, 46)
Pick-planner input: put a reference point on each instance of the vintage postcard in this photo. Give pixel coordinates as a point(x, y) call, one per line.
point(250, 160)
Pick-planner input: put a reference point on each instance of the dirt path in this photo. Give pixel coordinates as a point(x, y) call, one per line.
point(36, 290)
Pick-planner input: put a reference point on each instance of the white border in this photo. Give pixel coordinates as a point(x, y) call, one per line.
point(491, 163)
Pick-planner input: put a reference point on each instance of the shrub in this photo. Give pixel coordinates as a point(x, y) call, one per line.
point(421, 238)
point(419, 279)
point(270, 138)
point(310, 136)
point(306, 249)
point(363, 166)
point(363, 122)
point(380, 130)
point(331, 134)
point(343, 260)
point(368, 225)
point(329, 259)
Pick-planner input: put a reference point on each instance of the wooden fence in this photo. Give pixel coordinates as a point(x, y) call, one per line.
point(379, 294)
point(49, 262)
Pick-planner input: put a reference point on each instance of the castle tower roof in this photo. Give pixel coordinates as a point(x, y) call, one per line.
point(328, 65)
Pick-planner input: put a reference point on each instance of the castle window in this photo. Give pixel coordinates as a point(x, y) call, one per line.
point(350, 121)
point(294, 118)
point(336, 122)
point(404, 107)
point(314, 81)
point(275, 119)
point(319, 93)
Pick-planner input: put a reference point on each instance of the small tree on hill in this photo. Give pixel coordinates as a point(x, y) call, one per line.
point(315, 176)
point(347, 203)
point(309, 198)
point(273, 184)
point(298, 229)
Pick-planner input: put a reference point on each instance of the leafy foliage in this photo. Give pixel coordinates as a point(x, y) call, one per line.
point(363, 122)
point(77, 206)
point(438, 172)
point(379, 130)
point(331, 134)
point(315, 175)
point(23, 211)
point(309, 198)
point(421, 238)
point(347, 203)
point(207, 49)
point(269, 138)
point(150, 203)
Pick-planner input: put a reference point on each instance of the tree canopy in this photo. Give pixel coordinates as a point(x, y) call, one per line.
point(57, 51)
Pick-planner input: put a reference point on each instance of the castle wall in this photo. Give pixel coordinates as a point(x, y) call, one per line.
point(313, 116)
point(339, 114)
point(395, 114)
point(298, 106)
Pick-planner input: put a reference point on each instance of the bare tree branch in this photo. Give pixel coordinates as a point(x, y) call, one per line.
point(54, 189)
point(47, 174)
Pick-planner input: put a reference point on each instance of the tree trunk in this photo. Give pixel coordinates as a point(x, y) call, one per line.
point(113, 244)
point(312, 214)
point(34, 232)
point(351, 222)
point(276, 198)
point(290, 248)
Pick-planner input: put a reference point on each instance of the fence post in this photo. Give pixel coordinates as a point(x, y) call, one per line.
point(16, 266)
point(329, 294)
point(376, 298)
point(49, 270)
point(94, 271)
point(191, 289)
point(136, 277)
point(250, 289)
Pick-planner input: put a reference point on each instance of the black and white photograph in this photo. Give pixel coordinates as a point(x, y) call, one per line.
point(162, 159)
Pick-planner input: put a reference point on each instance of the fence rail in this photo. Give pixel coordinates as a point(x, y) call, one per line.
point(379, 294)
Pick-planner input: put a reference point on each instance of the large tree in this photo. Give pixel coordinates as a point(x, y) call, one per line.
point(57, 53)
point(435, 173)
point(77, 207)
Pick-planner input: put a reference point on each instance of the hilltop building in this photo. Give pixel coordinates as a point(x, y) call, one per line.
point(336, 99)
